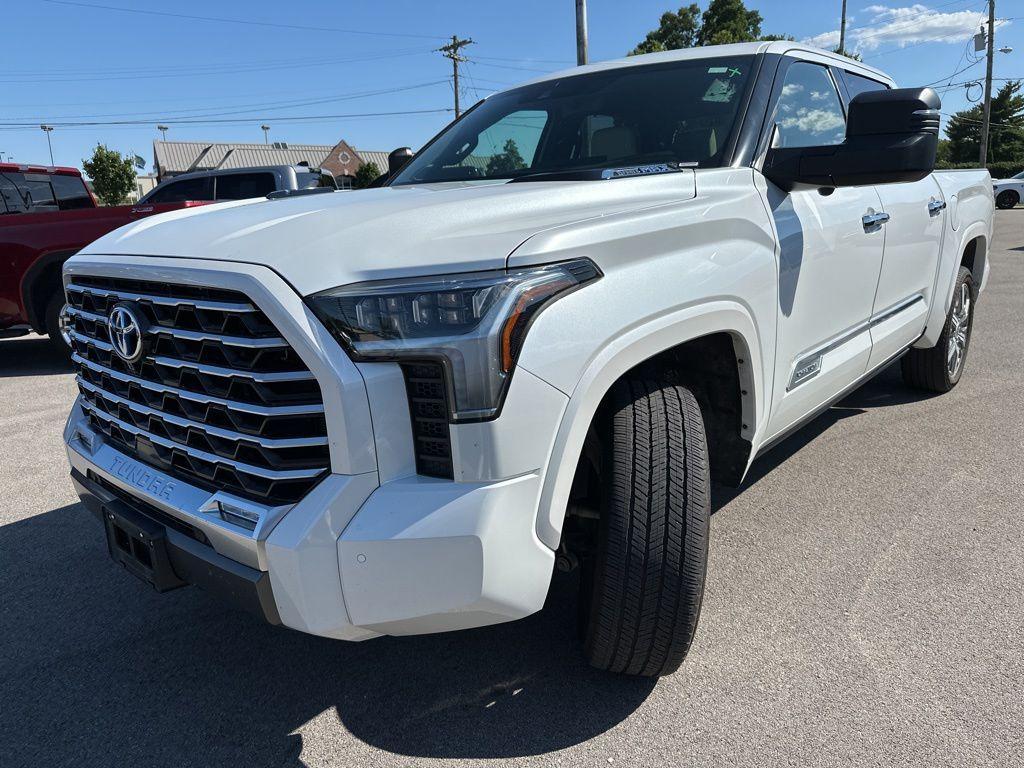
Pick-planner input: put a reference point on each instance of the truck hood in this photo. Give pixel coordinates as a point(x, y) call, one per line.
point(325, 240)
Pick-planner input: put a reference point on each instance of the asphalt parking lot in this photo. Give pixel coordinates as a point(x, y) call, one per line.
point(865, 606)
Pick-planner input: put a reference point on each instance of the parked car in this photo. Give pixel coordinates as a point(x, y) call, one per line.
point(1009, 191)
point(535, 348)
point(238, 183)
point(46, 215)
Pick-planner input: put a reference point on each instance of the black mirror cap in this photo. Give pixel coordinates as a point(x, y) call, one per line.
point(892, 136)
point(397, 159)
point(894, 111)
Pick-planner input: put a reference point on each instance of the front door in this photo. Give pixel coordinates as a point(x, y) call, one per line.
point(830, 257)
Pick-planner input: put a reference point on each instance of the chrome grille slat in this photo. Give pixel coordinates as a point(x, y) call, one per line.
point(196, 397)
point(233, 341)
point(267, 442)
point(270, 474)
point(219, 398)
point(170, 301)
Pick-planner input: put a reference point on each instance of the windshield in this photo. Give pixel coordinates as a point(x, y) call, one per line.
point(682, 111)
point(1018, 175)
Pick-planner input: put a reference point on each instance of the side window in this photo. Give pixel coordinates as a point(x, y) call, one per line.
point(856, 84)
point(10, 199)
point(187, 189)
point(240, 186)
point(808, 113)
point(36, 191)
point(71, 192)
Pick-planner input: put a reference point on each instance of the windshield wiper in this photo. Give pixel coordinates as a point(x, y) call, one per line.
point(597, 174)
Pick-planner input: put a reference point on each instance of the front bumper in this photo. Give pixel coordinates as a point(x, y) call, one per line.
point(373, 548)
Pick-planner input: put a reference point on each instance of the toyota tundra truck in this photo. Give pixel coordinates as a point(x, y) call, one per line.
point(535, 347)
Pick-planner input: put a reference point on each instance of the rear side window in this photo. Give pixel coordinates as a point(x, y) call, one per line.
point(240, 186)
point(10, 198)
point(808, 112)
point(36, 191)
point(856, 84)
point(71, 192)
point(186, 189)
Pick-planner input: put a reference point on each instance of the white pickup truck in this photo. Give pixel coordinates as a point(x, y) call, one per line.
point(534, 347)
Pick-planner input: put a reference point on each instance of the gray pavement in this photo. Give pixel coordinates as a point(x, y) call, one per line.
point(865, 606)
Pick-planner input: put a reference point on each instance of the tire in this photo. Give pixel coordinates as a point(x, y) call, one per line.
point(51, 320)
point(1007, 199)
point(935, 369)
point(641, 595)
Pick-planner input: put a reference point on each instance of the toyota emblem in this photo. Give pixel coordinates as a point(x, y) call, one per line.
point(125, 330)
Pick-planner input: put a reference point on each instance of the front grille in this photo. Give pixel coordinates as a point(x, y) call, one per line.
point(218, 399)
point(428, 407)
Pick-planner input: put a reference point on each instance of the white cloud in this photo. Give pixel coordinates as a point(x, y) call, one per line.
point(889, 27)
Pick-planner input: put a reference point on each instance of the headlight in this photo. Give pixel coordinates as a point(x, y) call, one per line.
point(473, 323)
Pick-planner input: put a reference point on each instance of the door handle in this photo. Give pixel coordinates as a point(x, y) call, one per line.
point(935, 206)
point(871, 219)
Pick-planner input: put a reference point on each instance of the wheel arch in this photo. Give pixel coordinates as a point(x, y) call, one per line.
point(718, 320)
point(38, 283)
point(971, 251)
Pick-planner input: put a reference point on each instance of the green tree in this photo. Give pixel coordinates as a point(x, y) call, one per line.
point(847, 54)
point(112, 174)
point(365, 176)
point(1005, 137)
point(728, 21)
point(507, 160)
point(676, 30)
point(724, 21)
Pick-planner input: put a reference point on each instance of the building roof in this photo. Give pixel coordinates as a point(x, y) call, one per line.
point(176, 157)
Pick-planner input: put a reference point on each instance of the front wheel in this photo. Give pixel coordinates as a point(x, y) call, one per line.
point(642, 594)
point(56, 320)
point(1007, 199)
point(939, 368)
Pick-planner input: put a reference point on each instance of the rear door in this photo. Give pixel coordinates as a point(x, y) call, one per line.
point(829, 260)
point(913, 239)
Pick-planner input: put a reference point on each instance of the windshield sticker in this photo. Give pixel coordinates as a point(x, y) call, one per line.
point(717, 70)
point(720, 91)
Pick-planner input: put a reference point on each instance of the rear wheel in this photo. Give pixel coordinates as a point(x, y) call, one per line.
point(641, 595)
point(938, 369)
point(1008, 198)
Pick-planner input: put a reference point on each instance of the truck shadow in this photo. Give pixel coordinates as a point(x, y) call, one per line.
point(31, 356)
point(100, 670)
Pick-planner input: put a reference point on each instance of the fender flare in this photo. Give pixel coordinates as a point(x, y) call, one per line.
point(937, 315)
point(34, 313)
point(624, 353)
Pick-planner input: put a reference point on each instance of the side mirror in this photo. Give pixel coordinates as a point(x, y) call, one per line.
point(397, 159)
point(891, 136)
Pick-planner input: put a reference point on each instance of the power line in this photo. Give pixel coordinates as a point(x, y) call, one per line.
point(230, 120)
point(248, 22)
point(168, 115)
point(227, 70)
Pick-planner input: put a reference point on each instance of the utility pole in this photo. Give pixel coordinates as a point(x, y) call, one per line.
point(581, 33)
point(451, 51)
point(990, 54)
point(842, 31)
point(48, 129)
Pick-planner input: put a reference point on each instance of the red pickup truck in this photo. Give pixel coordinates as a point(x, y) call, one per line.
point(46, 215)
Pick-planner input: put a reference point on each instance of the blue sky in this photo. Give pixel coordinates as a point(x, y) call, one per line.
point(334, 67)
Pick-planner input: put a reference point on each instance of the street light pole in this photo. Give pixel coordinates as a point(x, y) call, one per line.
point(163, 131)
point(582, 43)
point(48, 129)
point(266, 130)
point(990, 55)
